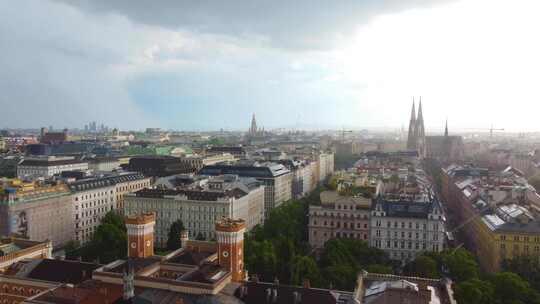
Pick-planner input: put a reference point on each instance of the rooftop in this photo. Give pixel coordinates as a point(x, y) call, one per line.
point(60, 271)
point(254, 169)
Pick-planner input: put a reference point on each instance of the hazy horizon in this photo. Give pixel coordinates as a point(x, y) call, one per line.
point(206, 66)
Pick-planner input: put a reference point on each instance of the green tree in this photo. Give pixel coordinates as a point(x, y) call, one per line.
point(173, 240)
point(260, 258)
point(527, 267)
point(109, 241)
point(422, 266)
point(511, 288)
point(333, 183)
point(342, 277)
point(114, 219)
point(378, 268)
point(342, 259)
point(305, 267)
point(474, 291)
point(461, 264)
point(285, 251)
point(72, 250)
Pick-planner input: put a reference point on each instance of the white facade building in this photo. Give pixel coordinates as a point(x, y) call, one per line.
point(94, 197)
point(326, 165)
point(46, 167)
point(198, 209)
point(106, 164)
point(405, 229)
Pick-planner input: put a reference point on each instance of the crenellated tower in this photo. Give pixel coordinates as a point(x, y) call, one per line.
point(140, 234)
point(230, 238)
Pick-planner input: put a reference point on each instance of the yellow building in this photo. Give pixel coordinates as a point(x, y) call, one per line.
point(511, 232)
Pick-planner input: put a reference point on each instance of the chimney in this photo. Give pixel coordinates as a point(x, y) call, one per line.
point(255, 278)
point(184, 238)
point(127, 280)
point(274, 295)
point(306, 284)
point(297, 297)
point(358, 294)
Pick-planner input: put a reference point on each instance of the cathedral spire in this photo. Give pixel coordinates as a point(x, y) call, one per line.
point(253, 129)
point(420, 120)
point(419, 131)
point(411, 140)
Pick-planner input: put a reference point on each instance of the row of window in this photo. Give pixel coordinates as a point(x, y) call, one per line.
point(404, 245)
point(92, 195)
point(525, 247)
point(332, 214)
point(346, 225)
point(518, 238)
point(409, 234)
point(18, 290)
point(378, 223)
point(350, 235)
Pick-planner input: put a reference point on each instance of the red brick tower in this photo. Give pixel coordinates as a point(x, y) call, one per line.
point(140, 234)
point(230, 237)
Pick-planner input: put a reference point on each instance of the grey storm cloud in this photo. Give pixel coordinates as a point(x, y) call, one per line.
point(133, 64)
point(287, 24)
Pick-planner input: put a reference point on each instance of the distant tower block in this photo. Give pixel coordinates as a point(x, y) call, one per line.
point(140, 233)
point(230, 238)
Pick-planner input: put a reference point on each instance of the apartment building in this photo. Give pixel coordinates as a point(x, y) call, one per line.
point(95, 196)
point(339, 216)
point(36, 211)
point(92, 199)
point(406, 217)
point(199, 206)
point(45, 167)
point(326, 165)
point(197, 162)
point(276, 178)
point(501, 210)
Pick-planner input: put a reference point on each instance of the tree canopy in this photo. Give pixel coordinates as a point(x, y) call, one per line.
point(173, 238)
point(423, 266)
point(342, 259)
point(109, 241)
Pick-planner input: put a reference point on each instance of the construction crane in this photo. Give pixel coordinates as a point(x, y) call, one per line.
point(490, 130)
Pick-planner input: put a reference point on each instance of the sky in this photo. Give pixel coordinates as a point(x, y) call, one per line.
point(307, 64)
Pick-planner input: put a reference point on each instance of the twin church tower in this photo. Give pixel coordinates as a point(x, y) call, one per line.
point(416, 139)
